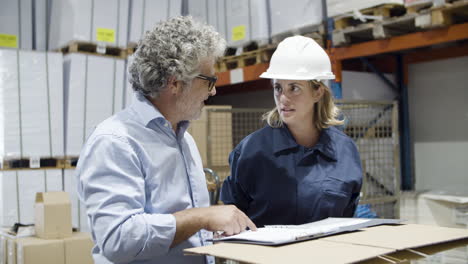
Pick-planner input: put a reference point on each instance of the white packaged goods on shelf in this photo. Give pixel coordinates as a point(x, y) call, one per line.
point(18, 191)
point(41, 17)
point(211, 12)
point(31, 104)
point(16, 24)
point(199, 10)
point(94, 90)
point(239, 22)
point(99, 21)
point(128, 94)
point(290, 17)
point(146, 13)
point(79, 218)
point(339, 7)
point(246, 21)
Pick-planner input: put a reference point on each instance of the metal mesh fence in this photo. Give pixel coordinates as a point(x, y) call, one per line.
point(372, 125)
point(227, 127)
point(374, 128)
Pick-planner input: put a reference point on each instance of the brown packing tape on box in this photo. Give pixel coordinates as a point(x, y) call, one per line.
point(52, 215)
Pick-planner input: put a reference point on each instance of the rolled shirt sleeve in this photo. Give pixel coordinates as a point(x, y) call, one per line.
point(112, 186)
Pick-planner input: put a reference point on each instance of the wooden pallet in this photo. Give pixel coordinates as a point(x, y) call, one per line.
point(419, 6)
point(445, 15)
point(385, 11)
point(32, 163)
point(131, 48)
point(376, 30)
point(261, 55)
point(70, 162)
point(451, 13)
point(94, 49)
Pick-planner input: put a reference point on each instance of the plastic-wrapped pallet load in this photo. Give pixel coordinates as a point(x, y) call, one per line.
point(240, 21)
point(18, 190)
point(31, 105)
point(41, 22)
point(16, 24)
point(79, 218)
point(300, 16)
point(128, 94)
point(99, 21)
point(23, 24)
point(94, 90)
point(339, 7)
point(146, 13)
point(246, 21)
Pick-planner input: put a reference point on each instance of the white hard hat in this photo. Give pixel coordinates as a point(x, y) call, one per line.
point(299, 58)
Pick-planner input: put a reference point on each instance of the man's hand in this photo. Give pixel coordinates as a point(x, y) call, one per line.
point(226, 218)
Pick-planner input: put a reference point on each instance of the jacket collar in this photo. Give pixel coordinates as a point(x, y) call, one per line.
point(283, 140)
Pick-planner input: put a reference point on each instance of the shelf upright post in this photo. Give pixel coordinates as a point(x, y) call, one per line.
point(328, 26)
point(407, 182)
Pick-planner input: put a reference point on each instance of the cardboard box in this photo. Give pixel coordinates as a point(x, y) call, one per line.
point(365, 244)
point(53, 215)
point(78, 249)
point(443, 209)
point(33, 250)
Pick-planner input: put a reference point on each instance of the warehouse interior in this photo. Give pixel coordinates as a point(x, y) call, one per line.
point(399, 66)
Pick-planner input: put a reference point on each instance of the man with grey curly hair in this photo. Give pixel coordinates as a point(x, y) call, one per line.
point(140, 174)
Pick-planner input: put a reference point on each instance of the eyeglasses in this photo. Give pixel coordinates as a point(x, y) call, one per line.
point(211, 79)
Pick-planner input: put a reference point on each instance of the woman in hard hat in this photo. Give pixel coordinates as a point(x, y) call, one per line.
point(299, 168)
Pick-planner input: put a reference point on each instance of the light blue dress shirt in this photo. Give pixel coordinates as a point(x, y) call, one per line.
point(134, 172)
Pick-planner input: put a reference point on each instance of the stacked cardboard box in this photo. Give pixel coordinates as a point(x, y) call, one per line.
point(54, 241)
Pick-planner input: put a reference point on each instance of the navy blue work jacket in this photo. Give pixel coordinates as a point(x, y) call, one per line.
point(276, 181)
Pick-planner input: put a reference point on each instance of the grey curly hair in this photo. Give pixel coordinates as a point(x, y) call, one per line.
point(173, 48)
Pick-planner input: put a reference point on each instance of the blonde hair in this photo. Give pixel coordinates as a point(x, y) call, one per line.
point(325, 111)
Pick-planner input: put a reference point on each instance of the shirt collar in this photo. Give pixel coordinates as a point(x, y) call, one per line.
point(147, 112)
point(284, 140)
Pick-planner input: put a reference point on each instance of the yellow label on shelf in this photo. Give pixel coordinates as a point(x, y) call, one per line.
point(10, 41)
point(105, 35)
point(238, 33)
